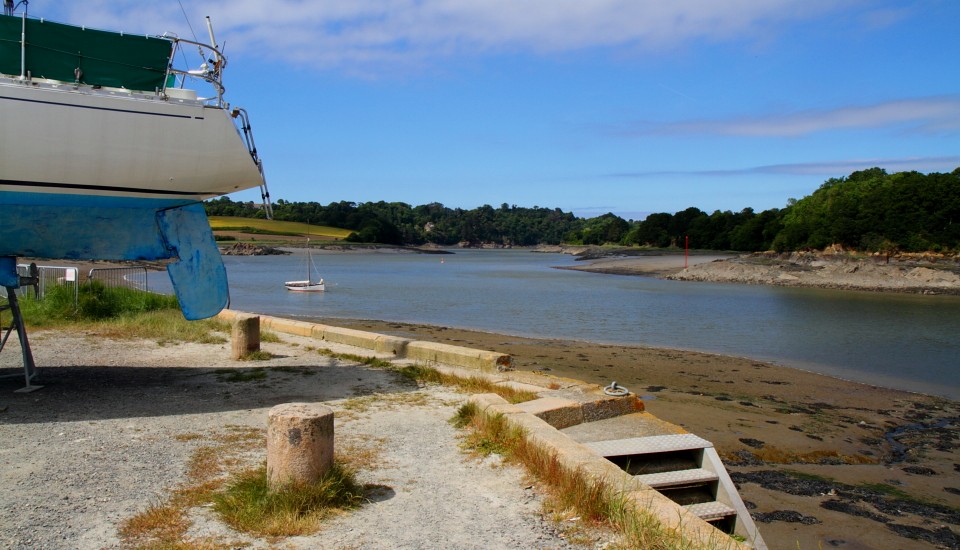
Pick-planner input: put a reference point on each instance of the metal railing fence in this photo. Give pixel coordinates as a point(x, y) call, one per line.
point(50, 276)
point(120, 277)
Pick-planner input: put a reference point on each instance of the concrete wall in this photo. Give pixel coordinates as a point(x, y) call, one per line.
point(399, 348)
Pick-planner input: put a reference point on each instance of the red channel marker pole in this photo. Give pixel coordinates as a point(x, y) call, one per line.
point(686, 250)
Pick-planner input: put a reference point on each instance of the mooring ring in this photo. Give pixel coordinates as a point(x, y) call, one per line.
point(616, 390)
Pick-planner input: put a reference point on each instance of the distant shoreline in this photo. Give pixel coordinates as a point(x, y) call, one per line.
point(912, 274)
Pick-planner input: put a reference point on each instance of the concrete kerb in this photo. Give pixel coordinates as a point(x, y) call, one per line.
point(433, 352)
point(578, 458)
point(400, 348)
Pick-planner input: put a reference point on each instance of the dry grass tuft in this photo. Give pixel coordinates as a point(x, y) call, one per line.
point(359, 452)
point(159, 523)
point(164, 525)
point(472, 384)
point(572, 491)
point(249, 505)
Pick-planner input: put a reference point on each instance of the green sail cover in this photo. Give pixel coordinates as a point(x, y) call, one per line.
point(55, 51)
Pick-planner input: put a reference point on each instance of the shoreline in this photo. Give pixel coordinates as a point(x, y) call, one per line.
point(766, 421)
point(904, 274)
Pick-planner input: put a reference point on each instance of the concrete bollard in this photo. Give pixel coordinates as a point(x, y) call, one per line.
point(245, 335)
point(299, 443)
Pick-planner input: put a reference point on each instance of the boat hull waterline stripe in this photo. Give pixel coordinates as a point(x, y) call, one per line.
point(91, 107)
point(82, 187)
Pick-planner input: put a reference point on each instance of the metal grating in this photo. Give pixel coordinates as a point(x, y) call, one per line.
point(648, 445)
point(678, 478)
point(709, 511)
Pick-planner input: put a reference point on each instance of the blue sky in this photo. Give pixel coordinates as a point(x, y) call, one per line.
point(592, 106)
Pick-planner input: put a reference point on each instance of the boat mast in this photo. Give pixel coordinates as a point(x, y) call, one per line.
point(9, 8)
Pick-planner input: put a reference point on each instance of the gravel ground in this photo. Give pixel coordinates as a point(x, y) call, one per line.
point(117, 422)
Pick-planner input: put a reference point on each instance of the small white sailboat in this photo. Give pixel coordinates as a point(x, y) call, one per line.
point(308, 285)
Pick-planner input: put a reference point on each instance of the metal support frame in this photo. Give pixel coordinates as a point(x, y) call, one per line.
point(29, 368)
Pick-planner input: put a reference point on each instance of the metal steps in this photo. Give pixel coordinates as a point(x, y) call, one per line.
point(686, 469)
point(654, 444)
point(711, 511)
point(678, 478)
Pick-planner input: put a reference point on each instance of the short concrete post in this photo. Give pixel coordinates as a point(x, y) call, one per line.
point(245, 335)
point(299, 443)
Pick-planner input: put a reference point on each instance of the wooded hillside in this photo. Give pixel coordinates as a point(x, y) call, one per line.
point(868, 210)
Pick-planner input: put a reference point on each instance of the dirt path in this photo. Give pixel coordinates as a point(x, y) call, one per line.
point(117, 423)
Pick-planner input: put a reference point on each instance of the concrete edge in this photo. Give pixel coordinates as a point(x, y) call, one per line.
point(577, 457)
point(400, 348)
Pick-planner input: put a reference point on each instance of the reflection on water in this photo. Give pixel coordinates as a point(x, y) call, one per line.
point(903, 341)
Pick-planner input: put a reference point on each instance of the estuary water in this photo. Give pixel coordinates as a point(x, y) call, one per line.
point(907, 342)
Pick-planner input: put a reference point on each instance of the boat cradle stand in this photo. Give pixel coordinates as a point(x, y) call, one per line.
point(12, 281)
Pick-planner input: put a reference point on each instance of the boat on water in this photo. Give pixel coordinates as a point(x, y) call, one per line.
point(107, 149)
point(310, 284)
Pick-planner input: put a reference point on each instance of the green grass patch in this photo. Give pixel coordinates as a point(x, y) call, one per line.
point(269, 337)
point(258, 231)
point(249, 505)
point(119, 313)
point(275, 227)
point(93, 301)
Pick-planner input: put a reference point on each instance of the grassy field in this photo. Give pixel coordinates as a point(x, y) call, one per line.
point(222, 224)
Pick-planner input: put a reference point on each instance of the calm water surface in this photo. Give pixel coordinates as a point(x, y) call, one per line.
point(902, 341)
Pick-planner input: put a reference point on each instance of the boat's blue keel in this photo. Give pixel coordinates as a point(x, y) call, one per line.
point(77, 227)
point(199, 278)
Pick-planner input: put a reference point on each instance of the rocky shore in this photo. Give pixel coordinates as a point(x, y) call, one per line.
point(912, 274)
point(247, 249)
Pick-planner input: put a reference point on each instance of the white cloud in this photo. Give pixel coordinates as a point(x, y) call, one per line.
point(833, 168)
point(936, 114)
point(336, 34)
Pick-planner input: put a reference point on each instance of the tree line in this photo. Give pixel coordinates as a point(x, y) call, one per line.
point(868, 210)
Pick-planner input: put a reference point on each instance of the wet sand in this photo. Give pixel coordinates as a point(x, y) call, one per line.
point(766, 420)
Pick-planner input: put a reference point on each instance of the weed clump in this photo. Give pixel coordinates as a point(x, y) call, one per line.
point(93, 301)
point(249, 505)
point(119, 313)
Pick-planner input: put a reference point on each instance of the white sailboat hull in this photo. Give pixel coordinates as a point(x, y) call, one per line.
point(59, 141)
point(304, 286)
point(103, 156)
